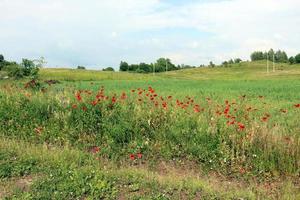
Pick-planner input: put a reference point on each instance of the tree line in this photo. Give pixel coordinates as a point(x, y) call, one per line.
point(160, 65)
point(279, 56)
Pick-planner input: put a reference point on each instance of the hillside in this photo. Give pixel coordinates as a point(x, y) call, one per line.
point(242, 71)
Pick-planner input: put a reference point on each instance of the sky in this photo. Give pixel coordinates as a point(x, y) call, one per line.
point(101, 33)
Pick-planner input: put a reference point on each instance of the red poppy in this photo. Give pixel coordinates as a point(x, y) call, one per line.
point(169, 97)
point(131, 156)
point(78, 96)
point(283, 110)
point(95, 149)
point(94, 102)
point(132, 90)
point(74, 106)
point(84, 108)
point(114, 99)
point(139, 155)
point(297, 105)
point(241, 126)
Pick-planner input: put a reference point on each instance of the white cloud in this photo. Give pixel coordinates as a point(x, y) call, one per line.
point(71, 32)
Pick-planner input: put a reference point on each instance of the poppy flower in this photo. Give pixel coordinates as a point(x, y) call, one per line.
point(94, 102)
point(139, 155)
point(241, 126)
point(297, 105)
point(84, 108)
point(74, 106)
point(131, 156)
point(78, 96)
point(95, 149)
point(132, 90)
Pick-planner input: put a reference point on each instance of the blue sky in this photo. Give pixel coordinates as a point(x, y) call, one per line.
point(98, 33)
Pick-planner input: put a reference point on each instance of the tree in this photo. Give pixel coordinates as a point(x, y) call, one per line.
point(257, 55)
point(281, 56)
point(211, 64)
point(297, 58)
point(292, 60)
point(271, 54)
point(108, 69)
point(80, 67)
point(1, 61)
point(237, 60)
point(164, 64)
point(124, 66)
point(225, 64)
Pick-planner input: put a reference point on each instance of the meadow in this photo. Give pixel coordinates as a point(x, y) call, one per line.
point(210, 133)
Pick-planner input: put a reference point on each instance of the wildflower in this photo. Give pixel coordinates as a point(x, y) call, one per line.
point(78, 96)
point(241, 126)
point(283, 110)
point(123, 96)
point(113, 100)
point(84, 108)
point(38, 130)
point(139, 155)
point(132, 91)
point(131, 156)
point(95, 149)
point(74, 106)
point(297, 105)
point(94, 102)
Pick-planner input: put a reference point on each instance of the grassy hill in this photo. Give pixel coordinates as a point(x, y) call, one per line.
point(242, 71)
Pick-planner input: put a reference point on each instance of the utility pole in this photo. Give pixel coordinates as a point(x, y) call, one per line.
point(273, 62)
point(166, 65)
point(267, 62)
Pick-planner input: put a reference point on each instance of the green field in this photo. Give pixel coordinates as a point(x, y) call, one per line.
point(203, 133)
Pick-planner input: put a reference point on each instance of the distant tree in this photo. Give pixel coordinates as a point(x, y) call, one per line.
point(108, 69)
point(257, 55)
point(143, 67)
point(163, 63)
point(292, 60)
point(237, 60)
point(80, 67)
point(297, 58)
point(230, 61)
point(124, 66)
point(211, 64)
point(225, 64)
point(271, 54)
point(281, 56)
point(1, 61)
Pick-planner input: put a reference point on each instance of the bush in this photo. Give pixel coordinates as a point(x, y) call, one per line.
point(297, 58)
point(80, 67)
point(108, 69)
point(14, 71)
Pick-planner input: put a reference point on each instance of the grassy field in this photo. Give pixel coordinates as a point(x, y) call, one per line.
point(210, 133)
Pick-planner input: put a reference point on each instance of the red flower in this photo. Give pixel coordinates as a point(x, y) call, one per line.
point(139, 155)
point(297, 105)
point(169, 97)
point(123, 96)
point(283, 110)
point(78, 96)
point(132, 90)
point(84, 108)
point(131, 156)
point(241, 126)
point(113, 100)
point(94, 102)
point(74, 106)
point(95, 149)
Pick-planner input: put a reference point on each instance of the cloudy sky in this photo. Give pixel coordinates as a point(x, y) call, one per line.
point(99, 33)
